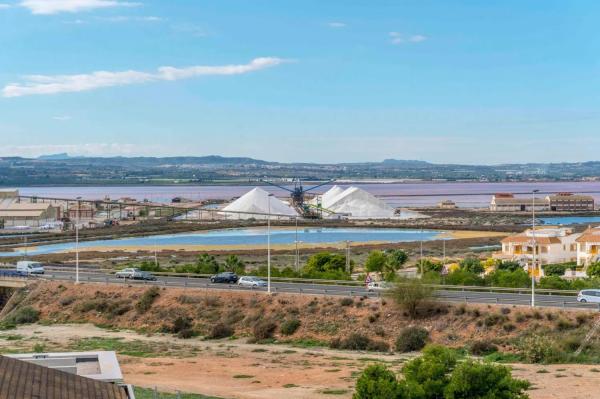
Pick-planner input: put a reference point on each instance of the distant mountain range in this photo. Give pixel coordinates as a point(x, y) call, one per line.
point(57, 169)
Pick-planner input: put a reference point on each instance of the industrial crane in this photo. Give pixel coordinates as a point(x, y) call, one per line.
point(297, 196)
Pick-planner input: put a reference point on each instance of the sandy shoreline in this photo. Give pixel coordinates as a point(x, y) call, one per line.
point(450, 235)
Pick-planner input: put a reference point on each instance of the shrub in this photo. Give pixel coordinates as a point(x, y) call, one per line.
point(66, 301)
point(220, 330)
point(376, 261)
point(472, 265)
point(264, 329)
point(412, 339)
point(537, 349)
point(356, 341)
point(377, 382)
point(464, 277)
point(593, 270)
point(493, 319)
point(564, 324)
point(411, 295)
point(182, 326)
point(505, 278)
point(289, 327)
point(481, 348)
point(347, 301)
point(520, 317)
point(558, 269)
point(509, 327)
point(484, 380)
point(24, 315)
point(147, 299)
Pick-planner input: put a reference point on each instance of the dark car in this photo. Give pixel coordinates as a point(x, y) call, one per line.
point(225, 277)
point(146, 276)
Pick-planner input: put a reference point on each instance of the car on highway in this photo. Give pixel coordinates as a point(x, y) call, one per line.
point(30, 267)
point(225, 277)
point(251, 281)
point(147, 276)
point(135, 274)
point(591, 296)
point(378, 286)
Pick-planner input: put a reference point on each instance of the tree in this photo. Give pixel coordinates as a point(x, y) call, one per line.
point(378, 382)
point(463, 277)
point(472, 265)
point(327, 265)
point(376, 262)
point(509, 265)
point(396, 258)
point(506, 278)
point(207, 264)
point(477, 380)
point(410, 295)
point(234, 264)
point(430, 372)
point(593, 270)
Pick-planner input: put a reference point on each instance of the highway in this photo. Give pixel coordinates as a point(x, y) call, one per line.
point(478, 295)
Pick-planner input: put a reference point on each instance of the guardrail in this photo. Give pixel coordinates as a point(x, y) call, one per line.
point(539, 302)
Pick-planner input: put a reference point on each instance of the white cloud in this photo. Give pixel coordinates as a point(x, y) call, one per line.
point(122, 18)
point(61, 118)
point(4, 6)
point(52, 84)
point(47, 7)
point(398, 38)
point(336, 24)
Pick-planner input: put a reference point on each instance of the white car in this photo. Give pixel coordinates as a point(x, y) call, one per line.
point(251, 281)
point(129, 272)
point(378, 286)
point(592, 296)
point(30, 267)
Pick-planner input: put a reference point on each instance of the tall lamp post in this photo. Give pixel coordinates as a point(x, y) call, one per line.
point(77, 248)
point(269, 244)
point(533, 261)
point(297, 252)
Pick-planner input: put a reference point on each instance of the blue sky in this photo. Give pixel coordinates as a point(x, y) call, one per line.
point(443, 81)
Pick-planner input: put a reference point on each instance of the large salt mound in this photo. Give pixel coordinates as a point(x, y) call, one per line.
point(359, 204)
point(256, 202)
point(329, 195)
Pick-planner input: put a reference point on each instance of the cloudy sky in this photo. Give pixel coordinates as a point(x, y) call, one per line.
point(461, 81)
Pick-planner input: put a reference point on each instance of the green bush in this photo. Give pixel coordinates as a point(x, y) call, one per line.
point(476, 380)
point(506, 278)
point(327, 265)
point(359, 342)
point(472, 265)
point(289, 327)
point(412, 339)
point(347, 301)
point(377, 382)
point(509, 266)
point(558, 269)
point(463, 277)
point(436, 375)
point(593, 270)
point(147, 299)
point(537, 349)
point(24, 315)
point(376, 261)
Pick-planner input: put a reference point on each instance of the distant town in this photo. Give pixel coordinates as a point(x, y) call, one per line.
point(62, 169)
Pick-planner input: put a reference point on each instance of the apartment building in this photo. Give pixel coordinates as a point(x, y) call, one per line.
point(552, 245)
point(588, 246)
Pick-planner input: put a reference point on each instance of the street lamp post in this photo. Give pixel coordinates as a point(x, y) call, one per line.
point(348, 256)
point(269, 244)
point(533, 261)
point(77, 253)
point(421, 256)
point(297, 252)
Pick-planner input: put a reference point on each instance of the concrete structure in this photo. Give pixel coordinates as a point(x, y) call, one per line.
point(588, 247)
point(82, 375)
point(28, 214)
point(570, 202)
point(11, 193)
point(506, 202)
point(447, 204)
point(552, 245)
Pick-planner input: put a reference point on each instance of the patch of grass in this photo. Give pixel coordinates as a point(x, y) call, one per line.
point(243, 376)
point(290, 386)
point(145, 393)
point(147, 299)
point(542, 371)
point(305, 343)
point(135, 348)
point(595, 370)
point(259, 350)
point(12, 337)
point(334, 391)
point(502, 357)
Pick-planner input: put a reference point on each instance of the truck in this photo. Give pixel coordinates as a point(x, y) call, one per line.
point(30, 267)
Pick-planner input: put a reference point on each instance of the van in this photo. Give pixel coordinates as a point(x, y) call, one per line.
point(592, 296)
point(30, 267)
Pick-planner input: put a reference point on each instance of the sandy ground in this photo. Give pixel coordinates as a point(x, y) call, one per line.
point(234, 369)
point(455, 234)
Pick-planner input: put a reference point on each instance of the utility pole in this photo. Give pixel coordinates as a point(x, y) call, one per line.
point(421, 257)
point(348, 256)
point(269, 245)
point(297, 252)
point(533, 268)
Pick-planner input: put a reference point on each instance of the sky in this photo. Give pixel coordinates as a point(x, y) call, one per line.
point(462, 81)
